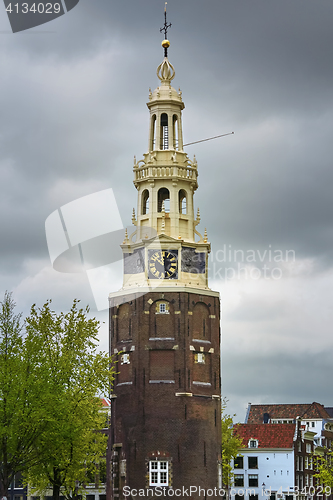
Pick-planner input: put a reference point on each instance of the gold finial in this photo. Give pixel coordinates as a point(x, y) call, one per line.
point(165, 44)
point(126, 240)
point(205, 236)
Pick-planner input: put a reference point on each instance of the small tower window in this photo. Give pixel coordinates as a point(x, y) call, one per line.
point(164, 142)
point(182, 201)
point(125, 359)
point(145, 202)
point(199, 357)
point(162, 308)
point(175, 132)
point(163, 196)
point(153, 133)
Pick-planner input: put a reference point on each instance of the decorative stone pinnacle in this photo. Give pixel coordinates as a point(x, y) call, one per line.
point(133, 217)
point(126, 240)
point(205, 236)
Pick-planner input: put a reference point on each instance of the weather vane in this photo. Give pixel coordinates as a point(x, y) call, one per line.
point(164, 30)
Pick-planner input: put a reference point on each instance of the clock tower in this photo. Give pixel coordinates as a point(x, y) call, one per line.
point(165, 323)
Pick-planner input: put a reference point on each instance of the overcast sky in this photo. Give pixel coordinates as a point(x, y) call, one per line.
point(73, 96)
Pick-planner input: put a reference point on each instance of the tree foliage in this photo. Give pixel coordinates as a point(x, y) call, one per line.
point(20, 419)
point(51, 380)
point(63, 353)
point(230, 445)
point(324, 466)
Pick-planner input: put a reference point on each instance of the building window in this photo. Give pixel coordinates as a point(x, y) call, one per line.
point(253, 443)
point(162, 308)
point(163, 197)
point(253, 480)
point(253, 462)
point(239, 480)
point(306, 462)
point(308, 448)
point(164, 140)
point(18, 483)
point(239, 463)
point(182, 201)
point(145, 202)
point(312, 424)
point(125, 359)
point(199, 357)
point(158, 473)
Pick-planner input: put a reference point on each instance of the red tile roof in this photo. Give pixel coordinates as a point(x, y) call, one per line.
point(291, 411)
point(268, 436)
point(105, 402)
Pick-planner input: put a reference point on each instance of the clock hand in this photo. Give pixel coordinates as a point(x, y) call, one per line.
point(160, 261)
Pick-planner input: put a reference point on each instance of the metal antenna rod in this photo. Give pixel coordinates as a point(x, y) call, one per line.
point(164, 30)
point(209, 139)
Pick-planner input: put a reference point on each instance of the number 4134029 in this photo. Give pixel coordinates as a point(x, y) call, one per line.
point(36, 8)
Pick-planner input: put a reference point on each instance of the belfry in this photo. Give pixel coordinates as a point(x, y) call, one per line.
point(165, 322)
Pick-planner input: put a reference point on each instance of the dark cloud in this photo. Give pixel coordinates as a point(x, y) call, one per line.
point(284, 378)
point(73, 115)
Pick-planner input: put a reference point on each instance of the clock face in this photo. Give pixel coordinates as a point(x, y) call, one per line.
point(163, 264)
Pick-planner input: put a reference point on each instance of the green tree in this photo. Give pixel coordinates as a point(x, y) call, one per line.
point(20, 418)
point(324, 466)
point(231, 444)
point(63, 355)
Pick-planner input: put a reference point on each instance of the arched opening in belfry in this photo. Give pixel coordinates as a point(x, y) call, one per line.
point(153, 133)
point(145, 202)
point(163, 196)
point(164, 140)
point(182, 201)
point(175, 132)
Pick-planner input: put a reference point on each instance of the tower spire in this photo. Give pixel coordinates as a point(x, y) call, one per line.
point(164, 29)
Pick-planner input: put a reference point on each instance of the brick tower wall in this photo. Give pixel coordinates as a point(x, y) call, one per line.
point(167, 391)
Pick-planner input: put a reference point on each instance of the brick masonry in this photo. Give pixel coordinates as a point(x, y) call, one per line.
point(166, 403)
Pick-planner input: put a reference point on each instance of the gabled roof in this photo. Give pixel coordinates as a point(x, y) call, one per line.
point(268, 436)
point(288, 411)
point(105, 402)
